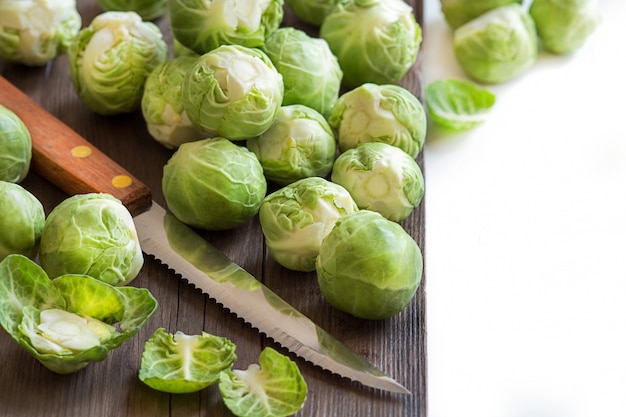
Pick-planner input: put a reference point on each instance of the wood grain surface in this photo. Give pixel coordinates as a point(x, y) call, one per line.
point(111, 387)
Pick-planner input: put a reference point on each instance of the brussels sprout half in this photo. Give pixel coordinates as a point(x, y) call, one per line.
point(458, 12)
point(16, 147)
point(34, 32)
point(22, 219)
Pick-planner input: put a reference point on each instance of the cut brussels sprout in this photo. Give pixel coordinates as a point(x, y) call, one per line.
point(70, 321)
point(16, 147)
point(233, 91)
point(457, 104)
point(273, 387)
point(299, 144)
point(564, 25)
point(22, 219)
point(498, 45)
point(179, 363)
point(369, 266)
point(458, 12)
point(34, 32)
point(312, 12)
point(296, 218)
point(202, 25)
point(311, 73)
point(381, 178)
point(162, 104)
point(147, 9)
point(379, 113)
point(375, 41)
point(91, 234)
point(213, 184)
point(111, 58)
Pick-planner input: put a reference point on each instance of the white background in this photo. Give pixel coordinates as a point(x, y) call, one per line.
point(526, 237)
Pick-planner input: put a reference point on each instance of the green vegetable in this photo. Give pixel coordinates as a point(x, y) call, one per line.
point(368, 266)
point(497, 46)
point(457, 104)
point(213, 184)
point(147, 9)
point(299, 144)
point(381, 178)
point(15, 147)
point(311, 73)
point(111, 58)
point(564, 25)
point(275, 387)
point(180, 363)
point(233, 91)
point(296, 218)
point(312, 12)
point(379, 113)
point(22, 219)
point(459, 12)
point(91, 234)
point(34, 32)
point(70, 321)
point(162, 104)
point(375, 41)
point(203, 25)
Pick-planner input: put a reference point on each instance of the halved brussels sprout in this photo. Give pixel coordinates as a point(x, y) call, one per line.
point(564, 25)
point(147, 9)
point(22, 219)
point(111, 58)
point(299, 144)
point(203, 25)
point(233, 91)
point(34, 32)
point(16, 147)
point(379, 113)
point(213, 184)
point(375, 41)
point(458, 12)
point(311, 73)
point(162, 104)
point(498, 45)
point(381, 178)
point(91, 234)
point(296, 218)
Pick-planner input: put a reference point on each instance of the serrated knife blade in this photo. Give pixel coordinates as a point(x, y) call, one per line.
point(73, 164)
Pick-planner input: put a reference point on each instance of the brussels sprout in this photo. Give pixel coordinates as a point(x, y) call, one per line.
point(34, 32)
point(213, 184)
point(369, 266)
point(564, 25)
point(162, 104)
point(299, 144)
point(457, 104)
point(91, 234)
point(375, 41)
point(202, 25)
point(312, 12)
point(311, 73)
point(16, 147)
point(295, 219)
point(111, 58)
point(381, 178)
point(275, 387)
point(179, 363)
point(22, 219)
point(497, 46)
point(233, 91)
point(458, 12)
point(379, 113)
point(70, 321)
point(147, 9)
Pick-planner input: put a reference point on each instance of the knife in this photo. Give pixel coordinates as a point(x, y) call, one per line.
point(73, 164)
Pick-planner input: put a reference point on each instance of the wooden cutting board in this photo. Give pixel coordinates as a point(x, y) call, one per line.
point(111, 387)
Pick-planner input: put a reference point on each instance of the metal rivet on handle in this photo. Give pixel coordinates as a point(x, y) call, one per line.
point(121, 181)
point(81, 151)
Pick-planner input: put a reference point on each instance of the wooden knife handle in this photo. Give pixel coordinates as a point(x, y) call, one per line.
point(67, 159)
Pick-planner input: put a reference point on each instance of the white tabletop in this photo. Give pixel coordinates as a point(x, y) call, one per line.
point(526, 237)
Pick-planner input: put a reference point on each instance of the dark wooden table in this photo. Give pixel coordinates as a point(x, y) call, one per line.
point(111, 387)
